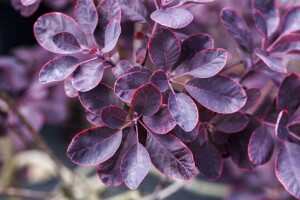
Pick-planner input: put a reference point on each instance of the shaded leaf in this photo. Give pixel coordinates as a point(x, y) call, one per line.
point(170, 156)
point(290, 20)
point(111, 36)
point(209, 161)
point(110, 171)
point(261, 146)
point(160, 80)
point(95, 145)
point(135, 165)
point(67, 42)
point(286, 43)
point(93, 119)
point(237, 28)
point(253, 96)
point(69, 89)
point(58, 69)
point(219, 93)
point(187, 136)
point(25, 10)
point(260, 23)
point(288, 95)
point(184, 111)
point(174, 18)
point(126, 85)
point(113, 116)
point(161, 122)
point(134, 10)
point(177, 3)
point(121, 68)
point(88, 75)
point(164, 48)
point(146, 100)
point(86, 15)
point(281, 129)
point(231, 123)
point(98, 98)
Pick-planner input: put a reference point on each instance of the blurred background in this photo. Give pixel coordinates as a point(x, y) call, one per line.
point(27, 171)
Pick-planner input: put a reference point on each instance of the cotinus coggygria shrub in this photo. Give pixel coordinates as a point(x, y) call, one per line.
point(174, 99)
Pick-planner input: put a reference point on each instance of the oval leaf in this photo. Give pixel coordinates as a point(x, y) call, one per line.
point(288, 168)
point(174, 18)
point(261, 146)
point(231, 123)
point(113, 116)
point(134, 10)
point(187, 136)
point(177, 3)
point(94, 146)
point(111, 36)
point(253, 96)
point(53, 23)
point(286, 43)
point(135, 165)
point(288, 95)
point(88, 75)
point(219, 93)
point(160, 80)
point(93, 119)
point(98, 98)
point(86, 16)
point(237, 28)
point(161, 122)
point(58, 69)
point(110, 171)
point(273, 63)
point(184, 111)
point(126, 85)
point(146, 100)
point(66, 42)
point(164, 48)
point(260, 23)
point(290, 21)
point(209, 161)
point(69, 89)
point(281, 129)
point(170, 156)
point(207, 63)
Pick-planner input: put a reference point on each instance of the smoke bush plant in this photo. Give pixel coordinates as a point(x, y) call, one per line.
point(176, 105)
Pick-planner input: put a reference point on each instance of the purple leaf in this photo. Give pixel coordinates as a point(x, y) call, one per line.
point(261, 146)
point(288, 95)
point(48, 25)
point(58, 69)
point(287, 168)
point(134, 10)
point(219, 93)
point(273, 63)
point(66, 42)
point(160, 80)
point(237, 28)
point(112, 33)
point(126, 85)
point(231, 123)
point(174, 18)
point(170, 156)
point(286, 43)
point(141, 55)
point(290, 20)
point(113, 116)
point(253, 96)
point(260, 23)
point(164, 48)
point(98, 98)
point(281, 129)
point(209, 161)
point(177, 3)
point(95, 145)
point(190, 47)
point(187, 136)
point(294, 127)
point(207, 63)
point(110, 171)
point(270, 13)
point(86, 15)
point(121, 68)
point(135, 165)
point(109, 12)
point(146, 100)
point(88, 75)
point(25, 10)
point(184, 111)
point(28, 2)
point(93, 119)
point(161, 122)
point(69, 89)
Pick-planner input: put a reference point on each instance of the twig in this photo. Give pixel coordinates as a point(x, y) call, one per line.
point(24, 193)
